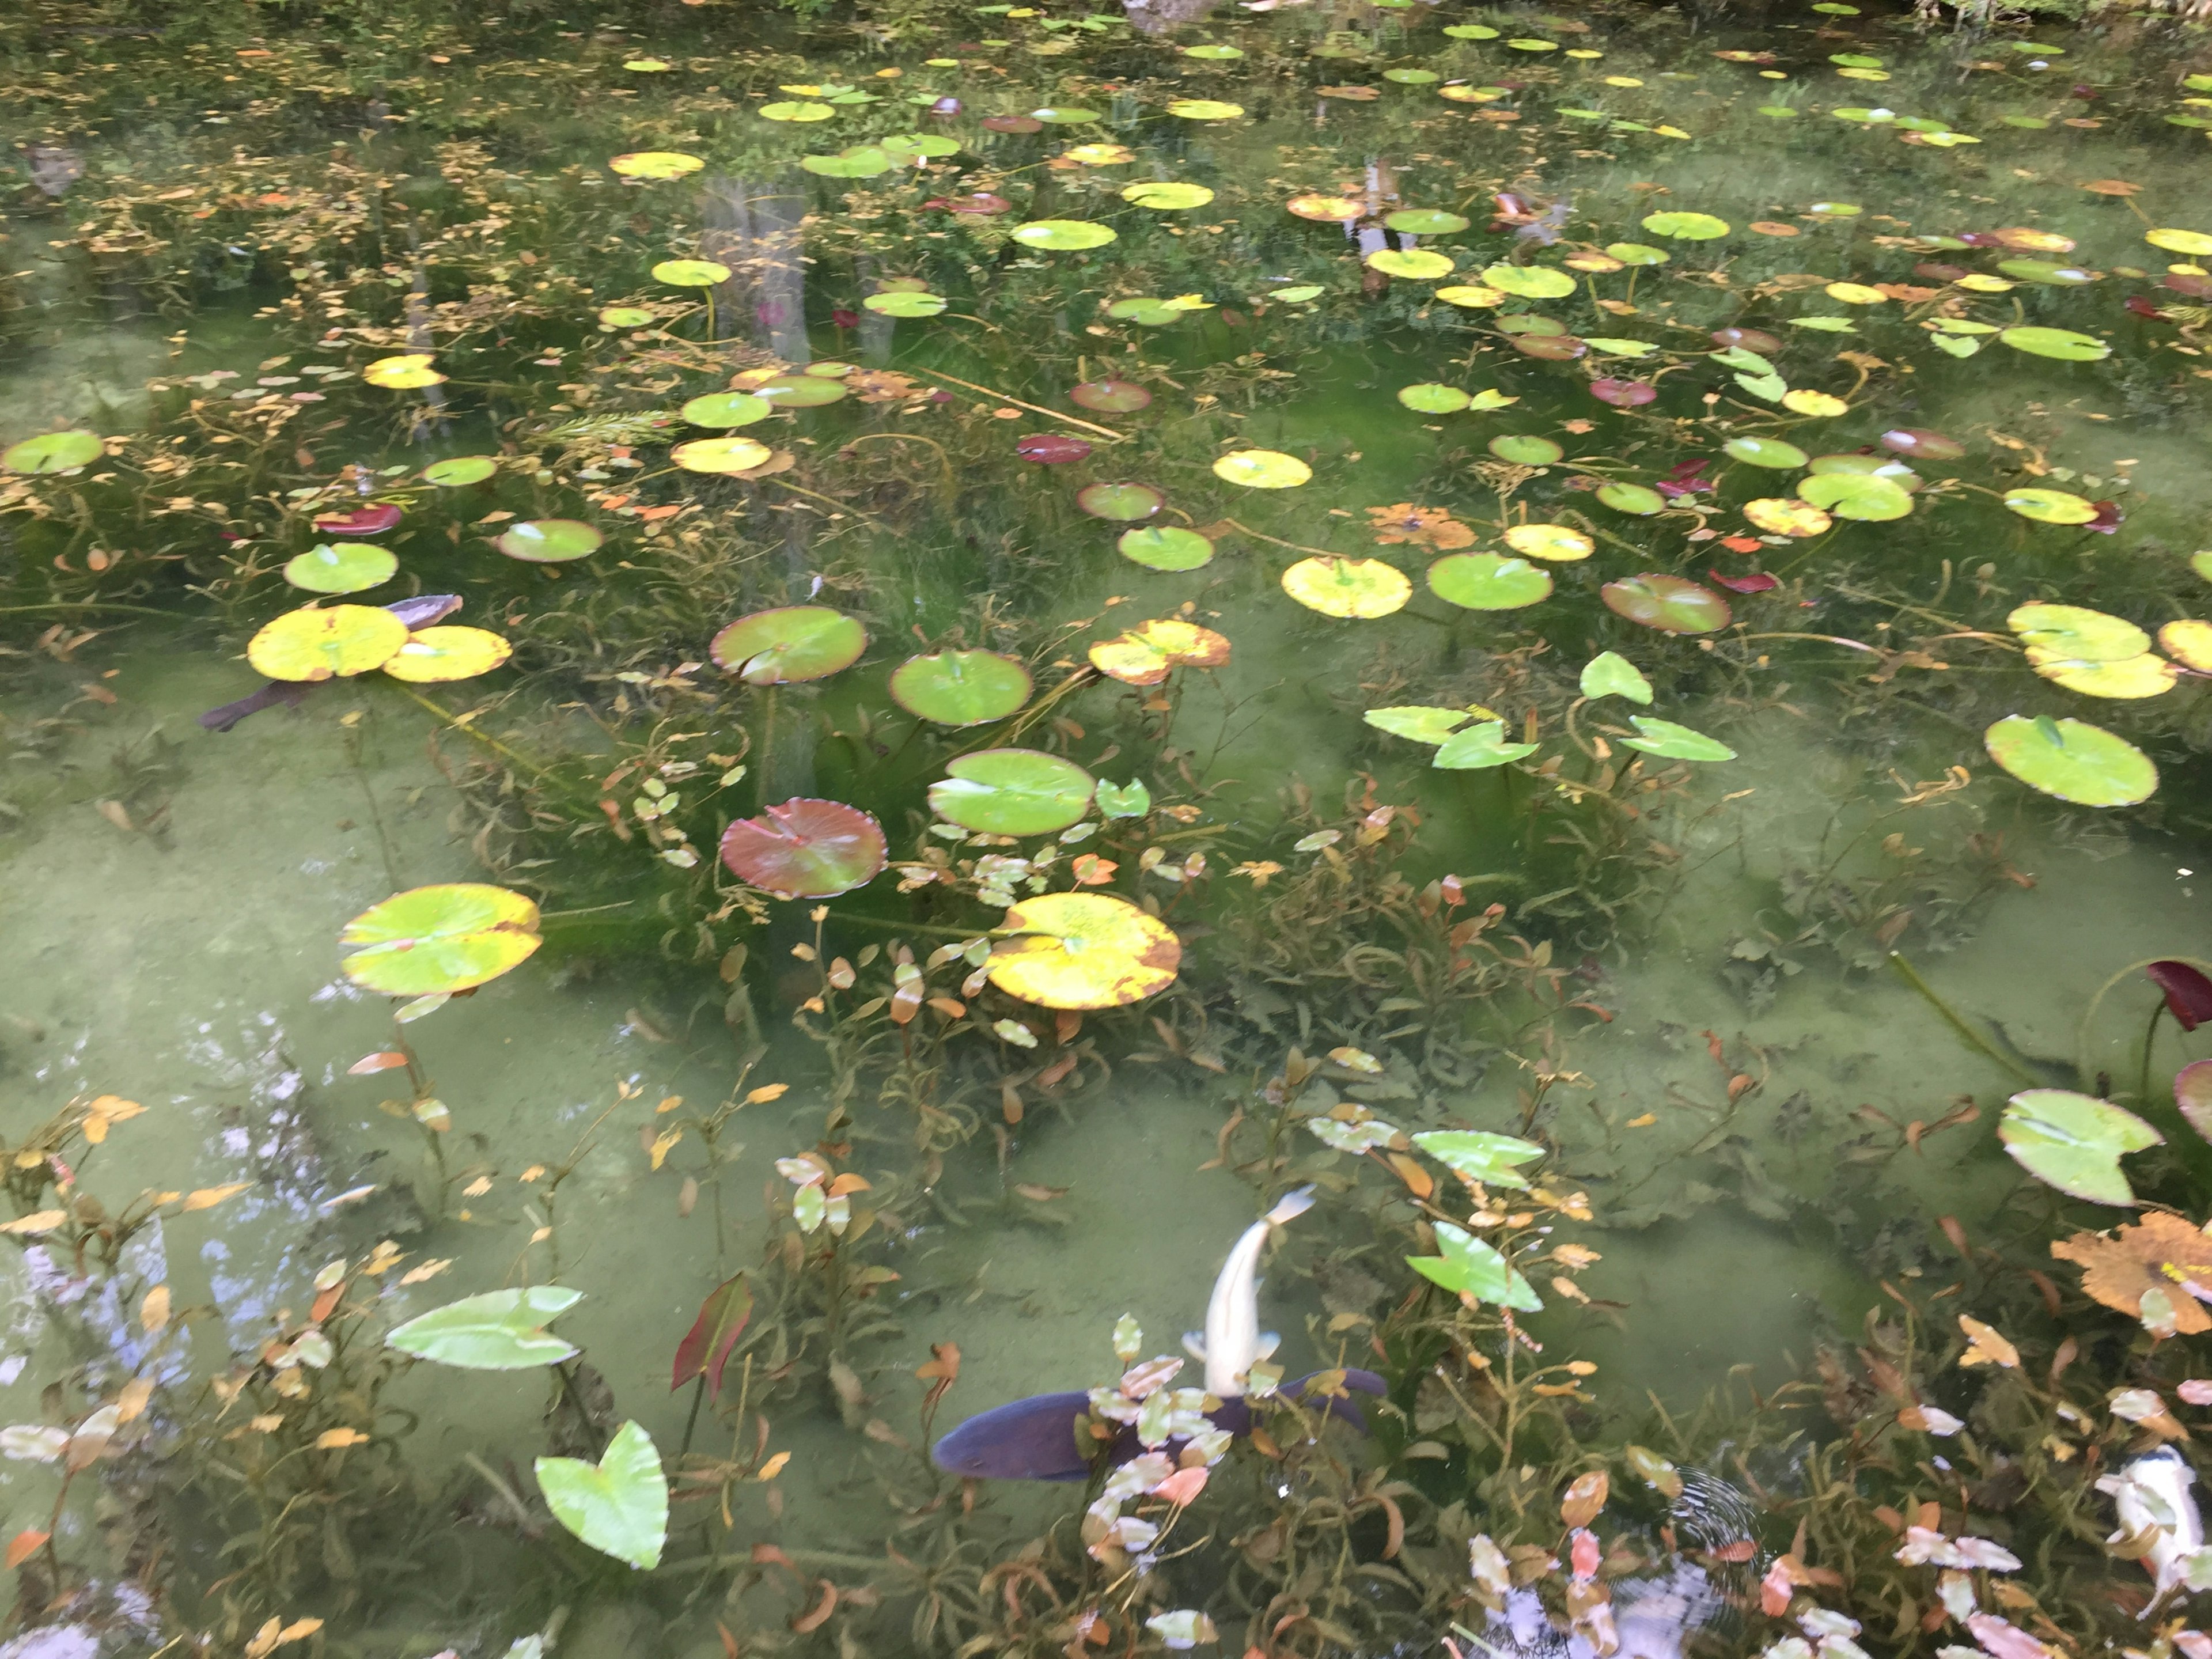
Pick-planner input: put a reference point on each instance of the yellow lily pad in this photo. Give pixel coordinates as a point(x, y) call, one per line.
point(1083, 950)
point(405, 372)
point(433, 654)
point(1146, 654)
point(332, 642)
point(1347, 587)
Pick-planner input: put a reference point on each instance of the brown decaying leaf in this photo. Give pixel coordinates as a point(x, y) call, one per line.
point(1585, 1498)
point(24, 1544)
point(2159, 1252)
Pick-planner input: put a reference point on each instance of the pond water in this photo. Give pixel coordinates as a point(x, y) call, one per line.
point(1309, 579)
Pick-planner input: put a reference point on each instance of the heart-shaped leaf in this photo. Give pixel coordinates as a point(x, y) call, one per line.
point(618, 1505)
point(2073, 1142)
point(498, 1331)
point(1468, 1265)
point(1480, 1156)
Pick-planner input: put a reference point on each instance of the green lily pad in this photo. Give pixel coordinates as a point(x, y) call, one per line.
point(450, 937)
point(1424, 222)
point(1165, 547)
point(908, 146)
point(1525, 449)
point(2045, 271)
point(855, 162)
point(498, 1331)
point(1123, 800)
point(1641, 500)
point(1168, 196)
point(2072, 760)
point(1471, 32)
point(1863, 495)
point(1204, 109)
point(1478, 747)
point(1480, 1156)
point(905, 304)
point(1673, 741)
point(2075, 1142)
point(1063, 236)
point(723, 410)
point(1529, 281)
point(1637, 253)
point(549, 541)
point(625, 316)
point(2049, 505)
point(1488, 582)
point(1669, 604)
point(1213, 53)
point(963, 688)
point(2076, 632)
point(795, 110)
point(1064, 115)
point(459, 470)
point(1606, 346)
point(53, 452)
point(2062, 344)
point(1766, 451)
point(1430, 398)
point(691, 273)
point(342, 567)
point(1609, 674)
point(789, 644)
point(799, 391)
point(1411, 77)
point(1011, 792)
point(1416, 264)
point(1122, 502)
point(1262, 469)
point(1468, 1266)
point(1686, 226)
point(618, 1505)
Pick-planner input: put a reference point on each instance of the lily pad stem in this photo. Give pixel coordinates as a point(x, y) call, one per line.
point(1106, 431)
point(1952, 1017)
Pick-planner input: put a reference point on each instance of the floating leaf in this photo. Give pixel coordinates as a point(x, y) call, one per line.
point(807, 390)
point(1083, 951)
point(1641, 500)
point(1669, 604)
point(498, 1331)
point(1480, 746)
point(408, 372)
point(1167, 196)
point(2075, 1142)
point(1421, 724)
point(1529, 282)
point(435, 655)
point(53, 452)
point(1786, 516)
point(1488, 582)
point(1262, 469)
point(1120, 502)
point(549, 541)
point(2188, 642)
point(1525, 449)
point(1418, 264)
point(1424, 222)
point(1673, 741)
point(2074, 631)
point(459, 470)
point(726, 409)
point(1063, 236)
point(2194, 243)
point(1480, 1156)
point(1766, 451)
point(961, 687)
point(1011, 792)
point(1856, 495)
point(1431, 398)
point(337, 641)
point(1123, 801)
point(655, 164)
point(1165, 547)
point(904, 303)
point(618, 1505)
point(2049, 505)
point(1468, 1266)
point(789, 644)
point(1686, 226)
point(448, 937)
point(806, 848)
point(691, 273)
point(346, 569)
point(1148, 652)
point(2073, 760)
point(2060, 343)
point(721, 455)
point(1110, 397)
point(1609, 674)
point(1204, 109)
point(1347, 587)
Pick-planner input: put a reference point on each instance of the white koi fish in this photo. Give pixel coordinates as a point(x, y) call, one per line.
point(2152, 1493)
point(1233, 1342)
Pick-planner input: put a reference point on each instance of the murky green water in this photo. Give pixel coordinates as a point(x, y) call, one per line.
point(1676, 977)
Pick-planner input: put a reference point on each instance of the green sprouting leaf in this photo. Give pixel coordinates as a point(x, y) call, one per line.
point(1825, 324)
point(618, 1505)
point(498, 1331)
point(2062, 344)
point(1673, 741)
point(53, 452)
point(1957, 345)
point(1479, 746)
point(2073, 1142)
point(1420, 722)
point(1123, 801)
point(1480, 1156)
point(1468, 1264)
point(1767, 386)
point(1609, 674)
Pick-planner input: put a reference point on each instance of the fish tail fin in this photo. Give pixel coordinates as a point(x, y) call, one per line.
point(1194, 1344)
point(1289, 1205)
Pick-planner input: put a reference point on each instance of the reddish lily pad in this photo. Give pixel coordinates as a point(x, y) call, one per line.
point(1922, 445)
point(806, 848)
point(1623, 394)
point(1050, 448)
point(370, 519)
point(1113, 397)
point(1669, 604)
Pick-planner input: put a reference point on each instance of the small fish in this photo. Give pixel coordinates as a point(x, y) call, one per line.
point(420, 611)
point(2152, 1493)
point(1233, 1342)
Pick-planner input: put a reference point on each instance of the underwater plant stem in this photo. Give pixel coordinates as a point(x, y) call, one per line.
point(698, 1394)
point(2150, 1035)
point(88, 605)
point(2082, 1067)
point(1296, 547)
point(1050, 414)
point(469, 731)
point(944, 461)
point(1967, 1034)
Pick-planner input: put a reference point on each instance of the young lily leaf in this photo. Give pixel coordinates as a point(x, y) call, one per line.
point(1609, 674)
point(618, 1505)
point(1123, 801)
point(2075, 1142)
point(1673, 741)
point(1480, 747)
point(1421, 723)
point(1469, 1265)
point(497, 1331)
point(1480, 1156)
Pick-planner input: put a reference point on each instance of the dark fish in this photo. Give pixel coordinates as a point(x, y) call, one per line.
point(421, 611)
point(1034, 1439)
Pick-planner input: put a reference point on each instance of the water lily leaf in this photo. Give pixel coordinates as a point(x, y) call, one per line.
point(433, 656)
point(1669, 604)
point(2049, 505)
point(1204, 109)
point(459, 470)
point(1412, 77)
point(1525, 449)
point(795, 110)
point(335, 641)
point(854, 161)
point(1213, 52)
point(904, 304)
point(1686, 226)
point(53, 452)
point(449, 937)
point(410, 371)
point(1416, 264)
point(2194, 243)
point(2146, 675)
point(805, 390)
point(1262, 469)
point(342, 568)
point(1120, 502)
point(1472, 296)
point(625, 316)
point(909, 146)
point(1432, 399)
point(1468, 1266)
point(961, 687)
point(1167, 196)
point(1819, 404)
point(1420, 723)
point(2189, 643)
point(1148, 652)
point(1425, 222)
point(1063, 236)
point(1782, 515)
point(498, 1331)
point(2076, 632)
point(2060, 343)
point(1123, 801)
point(1641, 500)
point(2075, 1142)
point(1673, 741)
point(691, 273)
point(1856, 495)
point(2073, 760)
point(1480, 1156)
point(1110, 397)
point(1766, 451)
point(1011, 792)
point(1555, 542)
point(788, 644)
point(723, 410)
point(618, 1505)
point(1609, 674)
point(1083, 951)
point(1488, 582)
point(1347, 587)
point(549, 541)
point(1478, 747)
point(721, 455)
point(1529, 282)
point(806, 848)
point(1326, 209)
point(1165, 547)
